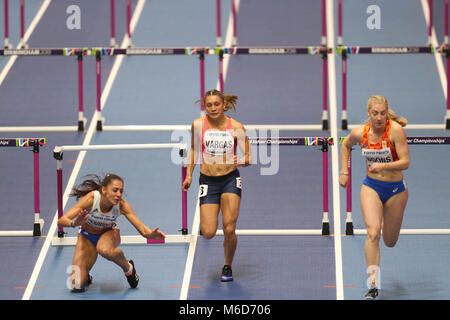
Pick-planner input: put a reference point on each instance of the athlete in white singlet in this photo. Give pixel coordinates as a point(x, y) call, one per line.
point(96, 212)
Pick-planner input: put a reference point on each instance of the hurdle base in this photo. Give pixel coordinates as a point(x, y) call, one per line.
point(37, 228)
point(81, 125)
point(274, 232)
point(325, 124)
point(344, 124)
point(411, 231)
point(349, 229)
point(325, 228)
point(100, 124)
point(19, 233)
point(447, 124)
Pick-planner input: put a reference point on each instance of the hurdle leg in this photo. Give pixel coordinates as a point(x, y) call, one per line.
point(221, 70)
point(349, 220)
point(81, 119)
point(219, 24)
point(58, 155)
point(22, 25)
point(130, 44)
point(324, 23)
point(324, 88)
point(202, 79)
point(233, 11)
point(38, 223)
point(344, 120)
point(6, 43)
point(98, 69)
point(112, 40)
point(339, 39)
point(447, 115)
point(184, 227)
point(430, 24)
point(446, 23)
point(325, 220)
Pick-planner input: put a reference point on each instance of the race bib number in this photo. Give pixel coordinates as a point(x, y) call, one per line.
point(239, 183)
point(203, 191)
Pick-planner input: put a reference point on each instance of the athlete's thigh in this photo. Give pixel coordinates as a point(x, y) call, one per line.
point(209, 213)
point(394, 209)
point(110, 239)
point(85, 253)
point(230, 203)
point(371, 207)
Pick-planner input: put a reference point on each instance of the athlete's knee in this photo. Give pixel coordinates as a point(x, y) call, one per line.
point(390, 242)
point(373, 234)
point(107, 253)
point(229, 230)
point(208, 233)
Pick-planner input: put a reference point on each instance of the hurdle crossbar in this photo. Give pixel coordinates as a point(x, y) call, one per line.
point(279, 127)
point(344, 51)
point(58, 155)
point(130, 240)
point(412, 140)
point(35, 143)
point(274, 232)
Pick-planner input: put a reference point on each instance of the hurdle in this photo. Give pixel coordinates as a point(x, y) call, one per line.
point(58, 153)
point(323, 143)
point(344, 51)
point(70, 52)
point(7, 44)
point(413, 140)
point(35, 143)
point(443, 49)
point(112, 39)
point(429, 7)
point(219, 51)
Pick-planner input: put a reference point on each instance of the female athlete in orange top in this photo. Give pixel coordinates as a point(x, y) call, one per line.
point(384, 193)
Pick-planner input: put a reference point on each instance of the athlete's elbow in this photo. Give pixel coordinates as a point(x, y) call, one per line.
point(406, 165)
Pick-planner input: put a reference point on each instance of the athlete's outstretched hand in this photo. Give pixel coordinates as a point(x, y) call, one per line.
point(156, 234)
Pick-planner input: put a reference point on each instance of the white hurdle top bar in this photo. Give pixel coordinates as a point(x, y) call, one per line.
point(120, 147)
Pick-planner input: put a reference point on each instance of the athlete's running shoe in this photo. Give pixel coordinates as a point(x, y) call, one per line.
point(227, 274)
point(371, 294)
point(83, 288)
point(133, 278)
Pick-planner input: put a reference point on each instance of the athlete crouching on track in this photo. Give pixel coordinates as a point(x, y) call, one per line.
point(215, 137)
point(96, 212)
point(384, 193)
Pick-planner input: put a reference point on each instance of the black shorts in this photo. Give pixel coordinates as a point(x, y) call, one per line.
point(211, 188)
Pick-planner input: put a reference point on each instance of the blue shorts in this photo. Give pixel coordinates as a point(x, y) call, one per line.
point(385, 189)
point(211, 188)
point(92, 237)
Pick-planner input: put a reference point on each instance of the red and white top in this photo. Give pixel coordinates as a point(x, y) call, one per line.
point(216, 142)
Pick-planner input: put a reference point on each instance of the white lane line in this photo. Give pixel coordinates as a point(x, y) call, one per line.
point(437, 55)
point(334, 153)
point(92, 129)
point(196, 222)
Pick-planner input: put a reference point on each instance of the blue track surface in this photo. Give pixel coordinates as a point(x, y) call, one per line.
point(42, 91)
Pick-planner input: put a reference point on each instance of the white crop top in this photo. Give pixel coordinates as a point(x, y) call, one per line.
point(102, 220)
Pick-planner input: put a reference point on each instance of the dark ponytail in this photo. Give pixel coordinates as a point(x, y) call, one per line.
point(94, 182)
